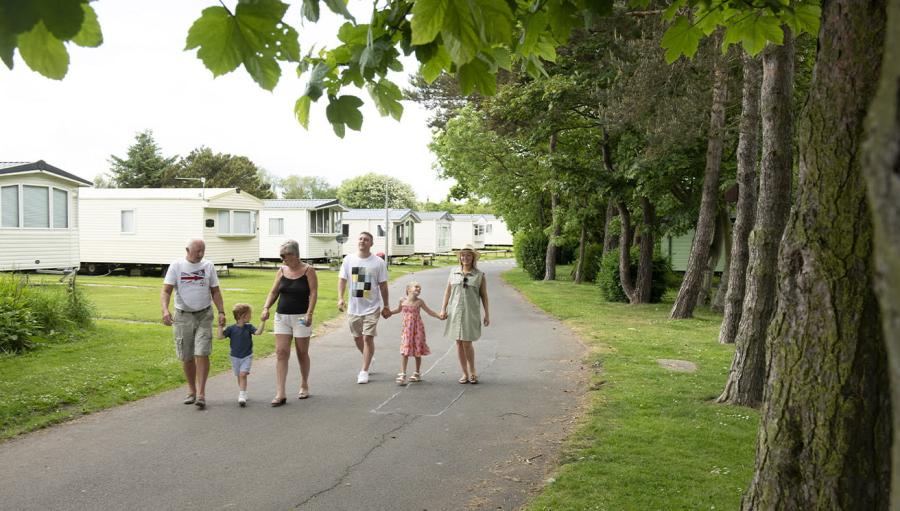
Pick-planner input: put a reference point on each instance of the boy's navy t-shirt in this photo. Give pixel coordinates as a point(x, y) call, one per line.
point(241, 339)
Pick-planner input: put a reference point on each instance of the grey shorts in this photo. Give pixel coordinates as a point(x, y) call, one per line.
point(193, 334)
point(363, 325)
point(242, 365)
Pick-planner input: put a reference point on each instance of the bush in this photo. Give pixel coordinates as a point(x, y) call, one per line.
point(611, 286)
point(593, 252)
point(29, 312)
point(531, 252)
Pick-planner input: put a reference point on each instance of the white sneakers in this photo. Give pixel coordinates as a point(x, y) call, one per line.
point(363, 377)
point(242, 398)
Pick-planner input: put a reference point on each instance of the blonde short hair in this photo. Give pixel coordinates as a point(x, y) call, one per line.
point(240, 309)
point(412, 284)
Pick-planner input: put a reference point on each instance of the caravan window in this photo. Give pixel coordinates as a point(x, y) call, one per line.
point(36, 202)
point(60, 209)
point(239, 223)
point(324, 221)
point(276, 226)
point(127, 221)
point(9, 203)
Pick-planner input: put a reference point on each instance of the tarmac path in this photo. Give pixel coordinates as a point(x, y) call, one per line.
point(434, 445)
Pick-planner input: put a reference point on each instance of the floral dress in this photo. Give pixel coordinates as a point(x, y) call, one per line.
point(413, 335)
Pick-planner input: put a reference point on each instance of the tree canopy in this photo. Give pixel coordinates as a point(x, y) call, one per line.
point(368, 191)
point(306, 187)
point(144, 167)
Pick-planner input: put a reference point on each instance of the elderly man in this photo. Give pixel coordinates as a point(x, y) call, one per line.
point(197, 288)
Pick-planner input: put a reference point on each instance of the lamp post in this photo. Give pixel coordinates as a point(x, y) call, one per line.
point(387, 226)
point(202, 184)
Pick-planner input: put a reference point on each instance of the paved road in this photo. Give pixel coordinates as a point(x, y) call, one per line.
point(432, 445)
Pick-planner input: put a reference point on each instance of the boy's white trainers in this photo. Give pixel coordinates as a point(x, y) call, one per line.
point(242, 399)
point(363, 377)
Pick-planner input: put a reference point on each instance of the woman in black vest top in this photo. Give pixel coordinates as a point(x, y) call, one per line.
point(296, 288)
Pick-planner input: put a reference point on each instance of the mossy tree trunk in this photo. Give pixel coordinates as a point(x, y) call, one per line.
point(696, 265)
point(645, 260)
point(609, 239)
point(718, 302)
point(582, 241)
point(748, 156)
point(881, 169)
point(555, 228)
point(747, 377)
point(624, 253)
point(824, 440)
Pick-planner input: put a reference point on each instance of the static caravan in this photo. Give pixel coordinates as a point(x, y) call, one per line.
point(314, 223)
point(467, 230)
point(433, 232)
point(38, 217)
point(402, 234)
point(677, 249)
point(135, 227)
point(496, 233)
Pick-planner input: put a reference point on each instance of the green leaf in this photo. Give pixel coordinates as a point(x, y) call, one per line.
point(215, 33)
point(503, 57)
point(427, 20)
point(672, 10)
point(353, 34)
point(754, 32)
point(19, 16)
point(265, 72)
point(62, 18)
point(600, 7)
point(436, 65)
point(43, 52)
point(460, 33)
point(563, 17)
point(301, 110)
point(535, 24)
point(476, 75)
point(90, 35)
point(681, 38)
point(316, 85)
point(7, 48)
point(494, 21)
point(803, 18)
point(343, 111)
point(546, 49)
point(387, 98)
point(310, 10)
point(339, 7)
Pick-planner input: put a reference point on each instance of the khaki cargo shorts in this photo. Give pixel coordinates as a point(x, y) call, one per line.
point(363, 325)
point(193, 333)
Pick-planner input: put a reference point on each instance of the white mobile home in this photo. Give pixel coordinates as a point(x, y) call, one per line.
point(38, 216)
point(467, 230)
point(496, 233)
point(433, 232)
point(313, 223)
point(134, 227)
point(402, 233)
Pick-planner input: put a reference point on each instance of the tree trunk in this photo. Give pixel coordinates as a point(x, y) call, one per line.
point(748, 155)
point(550, 258)
point(747, 377)
point(582, 241)
point(824, 440)
point(609, 241)
point(718, 303)
point(625, 252)
point(712, 260)
point(690, 286)
point(645, 261)
point(881, 170)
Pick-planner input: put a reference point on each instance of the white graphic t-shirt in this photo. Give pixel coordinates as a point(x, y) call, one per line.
point(192, 283)
point(363, 277)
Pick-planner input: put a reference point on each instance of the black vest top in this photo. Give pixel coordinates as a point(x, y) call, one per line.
point(293, 295)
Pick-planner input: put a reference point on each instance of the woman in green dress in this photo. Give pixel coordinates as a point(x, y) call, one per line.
point(466, 293)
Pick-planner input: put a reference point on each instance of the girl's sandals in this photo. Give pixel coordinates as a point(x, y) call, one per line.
point(463, 379)
point(400, 379)
point(473, 379)
point(189, 399)
point(416, 377)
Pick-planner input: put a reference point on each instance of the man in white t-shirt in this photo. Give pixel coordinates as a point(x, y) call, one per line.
point(367, 275)
point(197, 287)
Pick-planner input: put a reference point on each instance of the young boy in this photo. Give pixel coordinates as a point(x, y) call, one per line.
point(241, 335)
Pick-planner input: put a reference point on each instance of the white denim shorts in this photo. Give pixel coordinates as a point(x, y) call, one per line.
point(290, 324)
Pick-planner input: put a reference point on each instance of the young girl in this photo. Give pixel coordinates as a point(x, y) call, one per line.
point(413, 336)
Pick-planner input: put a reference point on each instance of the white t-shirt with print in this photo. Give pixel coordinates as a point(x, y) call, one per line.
point(363, 277)
point(192, 283)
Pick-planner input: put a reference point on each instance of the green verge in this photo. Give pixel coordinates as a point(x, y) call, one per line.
point(128, 354)
point(650, 438)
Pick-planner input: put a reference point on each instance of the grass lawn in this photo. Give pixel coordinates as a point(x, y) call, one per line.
point(650, 438)
point(128, 353)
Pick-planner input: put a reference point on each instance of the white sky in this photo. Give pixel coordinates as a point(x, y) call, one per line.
point(140, 78)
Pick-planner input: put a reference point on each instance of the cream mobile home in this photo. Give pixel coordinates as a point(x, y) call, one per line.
point(402, 230)
point(314, 223)
point(134, 227)
point(433, 233)
point(467, 230)
point(38, 217)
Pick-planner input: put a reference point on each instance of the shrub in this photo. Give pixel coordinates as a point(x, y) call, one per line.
point(531, 252)
point(611, 286)
point(593, 252)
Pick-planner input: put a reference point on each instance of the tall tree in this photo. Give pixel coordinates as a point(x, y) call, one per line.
point(368, 191)
point(555, 214)
point(697, 261)
point(747, 377)
point(144, 166)
point(747, 158)
point(881, 161)
point(824, 440)
point(220, 171)
point(307, 187)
